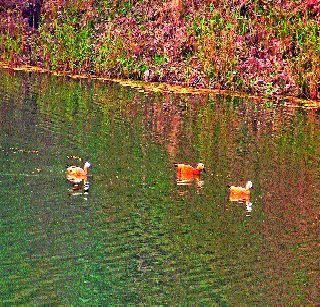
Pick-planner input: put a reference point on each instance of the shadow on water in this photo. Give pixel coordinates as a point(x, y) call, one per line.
point(139, 235)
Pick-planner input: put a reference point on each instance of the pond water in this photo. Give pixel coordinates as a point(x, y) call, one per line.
point(137, 236)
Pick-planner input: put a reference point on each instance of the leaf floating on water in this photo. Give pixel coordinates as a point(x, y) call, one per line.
point(74, 158)
point(17, 150)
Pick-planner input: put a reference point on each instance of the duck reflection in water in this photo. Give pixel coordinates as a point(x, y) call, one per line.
point(248, 208)
point(241, 195)
point(78, 178)
point(186, 175)
point(79, 188)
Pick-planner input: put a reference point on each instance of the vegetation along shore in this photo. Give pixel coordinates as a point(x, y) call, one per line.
point(268, 48)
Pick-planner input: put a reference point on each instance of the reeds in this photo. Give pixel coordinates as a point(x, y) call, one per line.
point(252, 46)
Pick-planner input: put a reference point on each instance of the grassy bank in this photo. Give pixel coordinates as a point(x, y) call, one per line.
point(249, 46)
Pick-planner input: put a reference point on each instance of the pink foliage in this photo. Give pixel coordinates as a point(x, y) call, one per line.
point(160, 41)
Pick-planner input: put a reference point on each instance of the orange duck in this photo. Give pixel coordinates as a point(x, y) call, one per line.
point(76, 174)
point(240, 193)
point(187, 172)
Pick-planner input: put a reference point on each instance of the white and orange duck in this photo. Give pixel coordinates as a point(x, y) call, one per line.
point(240, 193)
point(76, 174)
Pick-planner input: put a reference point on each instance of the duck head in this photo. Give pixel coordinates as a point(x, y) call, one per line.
point(248, 185)
point(200, 167)
point(87, 165)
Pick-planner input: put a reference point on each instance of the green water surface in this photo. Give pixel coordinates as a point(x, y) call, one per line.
point(138, 237)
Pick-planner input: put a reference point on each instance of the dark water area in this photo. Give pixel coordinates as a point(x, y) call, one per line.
point(137, 236)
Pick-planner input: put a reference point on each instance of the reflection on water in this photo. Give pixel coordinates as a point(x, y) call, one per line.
point(185, 185)
point(248, 208)
point(79, 186)
point(196, 180)
point(138, 235)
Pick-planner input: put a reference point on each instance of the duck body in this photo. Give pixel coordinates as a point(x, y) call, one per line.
point(185, 171)
point(76, 173)
point(240, 193)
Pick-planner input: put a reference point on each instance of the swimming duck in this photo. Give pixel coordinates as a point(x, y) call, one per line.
point(185, 171)
point(240, 193)
point(76, 173)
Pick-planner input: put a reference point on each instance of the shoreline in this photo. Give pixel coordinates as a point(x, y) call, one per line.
point(162, 87)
